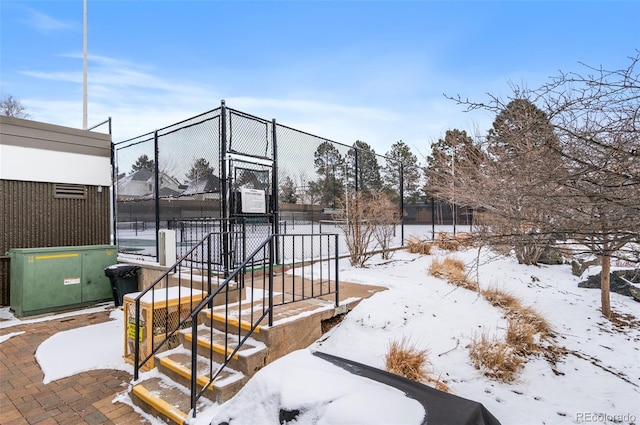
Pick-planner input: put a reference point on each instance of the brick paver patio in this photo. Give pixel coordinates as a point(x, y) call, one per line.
point(86, 398)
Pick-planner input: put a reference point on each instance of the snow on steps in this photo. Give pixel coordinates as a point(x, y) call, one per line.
point(176, 364)
point(199, 280)
point(165, 394)
point(165, 399)
point(249, 358)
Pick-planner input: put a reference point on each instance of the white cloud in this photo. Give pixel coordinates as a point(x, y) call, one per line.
point(140, 99)
point(46, 23)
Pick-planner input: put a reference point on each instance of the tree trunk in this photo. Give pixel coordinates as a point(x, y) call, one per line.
point(605, 276)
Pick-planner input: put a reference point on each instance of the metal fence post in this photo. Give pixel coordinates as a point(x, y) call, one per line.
point(157, 191)
point(114, 190)
point(224, 189)
point(356, 179)
point(401, 203)
point(274, 188)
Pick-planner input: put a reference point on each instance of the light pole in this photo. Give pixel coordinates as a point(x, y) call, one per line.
point(84, 66)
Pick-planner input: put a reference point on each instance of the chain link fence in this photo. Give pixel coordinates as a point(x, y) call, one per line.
point(211, 167)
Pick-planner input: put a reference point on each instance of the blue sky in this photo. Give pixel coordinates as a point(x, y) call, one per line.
point(345, 70)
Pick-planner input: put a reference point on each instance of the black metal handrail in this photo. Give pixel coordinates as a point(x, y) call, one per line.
point(199, 273)
point(260, 269)
point(299, 251)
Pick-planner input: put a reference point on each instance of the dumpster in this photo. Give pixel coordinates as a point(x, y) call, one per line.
point(124, 280)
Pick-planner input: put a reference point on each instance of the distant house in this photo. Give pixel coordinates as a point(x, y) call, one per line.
point(207, 187)
point(140, 185)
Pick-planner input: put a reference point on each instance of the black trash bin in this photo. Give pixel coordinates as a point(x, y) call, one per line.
point(124, 280)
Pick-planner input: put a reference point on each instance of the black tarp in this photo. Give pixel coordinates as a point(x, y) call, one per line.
point(441, 408)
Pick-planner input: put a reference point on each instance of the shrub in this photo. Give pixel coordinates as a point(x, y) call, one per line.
point(495, 359)
point(464, 239)
point(534, 318)
point(405, 359)
point(452, 270)
point(500, 298)
point(447, 242)
point(416, 246)
point(521, 335)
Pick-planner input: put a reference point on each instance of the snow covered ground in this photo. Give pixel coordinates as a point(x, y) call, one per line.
point(598, 381)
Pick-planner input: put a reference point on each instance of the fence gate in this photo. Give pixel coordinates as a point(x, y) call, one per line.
point(250, 170)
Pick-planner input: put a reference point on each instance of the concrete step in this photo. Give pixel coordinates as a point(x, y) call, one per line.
point(212, 343)
point(176, 364)
point(165, 399)
point(295, 326)
point(198, 280)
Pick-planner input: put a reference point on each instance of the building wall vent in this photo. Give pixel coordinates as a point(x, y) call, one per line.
point(69, 191)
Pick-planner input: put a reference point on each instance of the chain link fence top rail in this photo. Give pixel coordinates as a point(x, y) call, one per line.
point(313, 175)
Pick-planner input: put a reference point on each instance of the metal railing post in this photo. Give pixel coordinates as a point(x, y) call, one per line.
point(194, 363)
point(336, 273)
point(136, 352)
point(271, 281)
point(209, 268)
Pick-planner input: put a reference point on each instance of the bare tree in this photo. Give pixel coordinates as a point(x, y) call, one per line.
point(507, 175)
point(595, 190)
point(596, 116)
point(355, 220)
point(385, 217)
point(12, 107)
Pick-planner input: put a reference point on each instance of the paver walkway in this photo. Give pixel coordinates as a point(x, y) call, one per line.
point(85, 398)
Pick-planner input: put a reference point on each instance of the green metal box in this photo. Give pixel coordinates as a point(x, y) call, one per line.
point(52, 279)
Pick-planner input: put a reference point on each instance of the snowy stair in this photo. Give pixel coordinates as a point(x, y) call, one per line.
point(198, 280)
point(164, 391)
point(164, 398)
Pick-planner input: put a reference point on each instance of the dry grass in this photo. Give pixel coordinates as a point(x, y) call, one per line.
point(443, 268)
point(460, 279)
point(534, 318)
point(521, 335)
point(500, 298)
point(416, 246)
point(405, 359)
point(501, 360)
point(464, 239)
point(495, 359)
point(453, 271)
point(441, 386)
point(514, 310)
point(447, 242)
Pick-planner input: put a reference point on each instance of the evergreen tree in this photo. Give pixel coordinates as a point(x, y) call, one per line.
point(143, 161)
point(368, 169)
point(401, 154)
point(329, 163)
point(288, 191)
point(441, 165)
point(200, 168)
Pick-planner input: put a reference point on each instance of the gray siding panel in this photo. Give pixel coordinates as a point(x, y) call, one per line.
point(37, 135)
